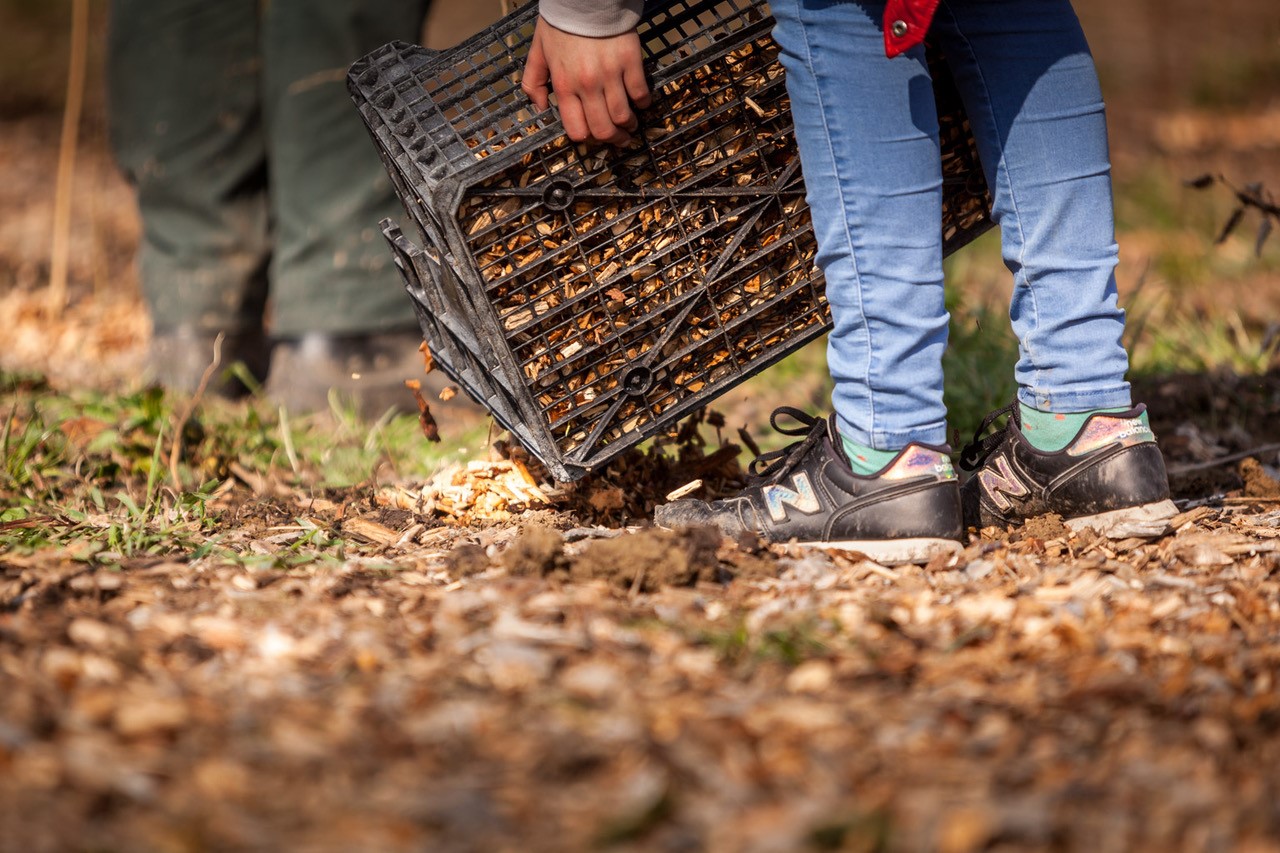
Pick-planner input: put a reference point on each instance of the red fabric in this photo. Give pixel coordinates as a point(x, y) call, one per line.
point(916, 14)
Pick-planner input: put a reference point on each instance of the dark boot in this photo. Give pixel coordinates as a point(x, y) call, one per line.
point(367, 372)
point(178, 358)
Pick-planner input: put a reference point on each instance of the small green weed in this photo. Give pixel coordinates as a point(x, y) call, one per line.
point(789, 645)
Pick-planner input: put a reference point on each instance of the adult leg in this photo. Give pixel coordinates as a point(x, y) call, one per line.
point(1030, 88)
point(339, 312)
point(186, 129)
point(332, 271)
point(868, 137)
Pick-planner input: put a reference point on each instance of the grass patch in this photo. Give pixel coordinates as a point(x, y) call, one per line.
point(978, 366)
point(122, 475)
point(1165, 338)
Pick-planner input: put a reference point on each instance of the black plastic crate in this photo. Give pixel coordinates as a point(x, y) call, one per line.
point(454, 347)
point(592, 295)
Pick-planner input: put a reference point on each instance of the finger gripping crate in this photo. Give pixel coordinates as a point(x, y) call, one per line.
point(593, 295)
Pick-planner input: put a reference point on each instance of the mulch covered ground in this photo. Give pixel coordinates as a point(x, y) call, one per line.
point(544, 683)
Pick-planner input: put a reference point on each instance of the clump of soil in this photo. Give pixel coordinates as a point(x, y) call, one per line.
point(1047, 526)
point(644, 561)
point(537, 552)
point(1202, 483)
point(1257, 482)
point(396, 519)
point(467, 560)
point(748, 557)
point(650, 559)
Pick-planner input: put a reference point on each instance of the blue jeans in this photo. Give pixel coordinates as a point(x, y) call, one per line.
point(868, 137)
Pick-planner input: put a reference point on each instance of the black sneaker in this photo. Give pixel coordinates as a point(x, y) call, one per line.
point(1111, 477)
point(808, 494)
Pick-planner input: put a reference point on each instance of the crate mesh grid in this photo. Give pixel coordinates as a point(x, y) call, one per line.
point(593, 295)
point(456, 357)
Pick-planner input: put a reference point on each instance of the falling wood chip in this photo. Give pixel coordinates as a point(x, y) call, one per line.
point(425, 419)
point(685, 490)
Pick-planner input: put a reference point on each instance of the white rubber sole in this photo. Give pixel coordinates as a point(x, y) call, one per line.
point(1137, 522)
point(891, 552)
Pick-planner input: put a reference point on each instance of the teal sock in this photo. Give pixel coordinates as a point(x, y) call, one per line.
point(1053, 431)
point(866, 460)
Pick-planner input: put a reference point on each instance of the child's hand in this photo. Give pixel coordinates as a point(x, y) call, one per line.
point(596, 80)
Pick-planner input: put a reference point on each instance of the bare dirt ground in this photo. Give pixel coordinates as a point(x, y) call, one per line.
point(490, 662)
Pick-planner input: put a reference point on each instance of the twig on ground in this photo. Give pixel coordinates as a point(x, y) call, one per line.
point(1178, 470)
point(286, 438)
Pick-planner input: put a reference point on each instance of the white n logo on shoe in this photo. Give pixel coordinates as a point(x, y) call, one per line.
point(802, 498)
point(999, 482)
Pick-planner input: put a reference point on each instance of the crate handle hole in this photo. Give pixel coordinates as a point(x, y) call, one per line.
point(558, 195)
point(637, 381)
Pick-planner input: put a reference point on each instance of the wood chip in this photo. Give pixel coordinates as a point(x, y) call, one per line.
point(370, 531)
point(685, 490)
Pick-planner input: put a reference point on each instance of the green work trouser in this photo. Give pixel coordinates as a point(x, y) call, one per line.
point(252, 167)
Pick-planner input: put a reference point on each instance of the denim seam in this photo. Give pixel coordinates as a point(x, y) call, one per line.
point(1080, 401)
point(853, 256)
point(1013, 198)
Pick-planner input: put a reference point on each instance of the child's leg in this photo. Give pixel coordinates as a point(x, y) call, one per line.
point(868, 136)
point(1029, 86)
point(1032, 95)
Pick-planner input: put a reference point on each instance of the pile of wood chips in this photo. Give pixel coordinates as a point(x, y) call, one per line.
point(684, 464)
point(1040, 691)
point(476, 492)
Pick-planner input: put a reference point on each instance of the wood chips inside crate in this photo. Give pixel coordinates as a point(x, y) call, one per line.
point(693, 240)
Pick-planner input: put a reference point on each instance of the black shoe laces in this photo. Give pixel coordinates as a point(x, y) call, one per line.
point(776, 464)
point(977, 451)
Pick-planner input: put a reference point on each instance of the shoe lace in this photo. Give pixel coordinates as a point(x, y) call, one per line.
point(776, 464)
point(977, 450)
